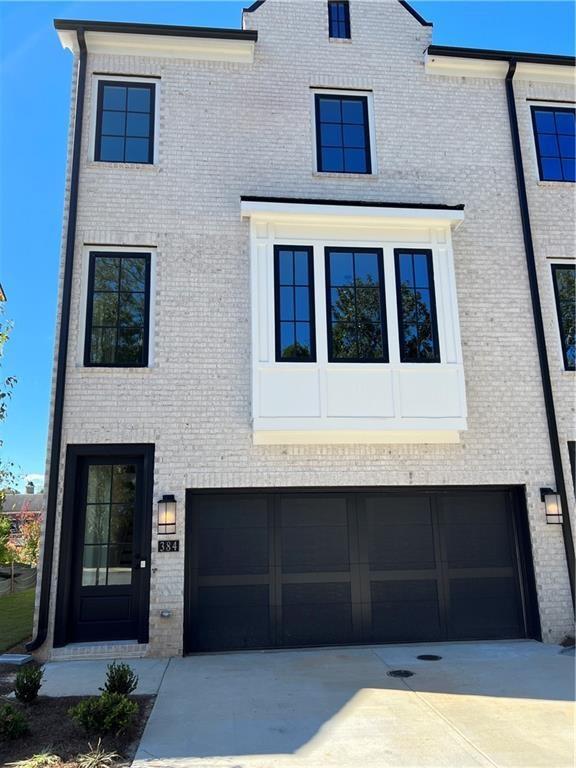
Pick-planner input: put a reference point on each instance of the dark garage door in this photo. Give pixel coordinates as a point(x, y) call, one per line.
point(287, 568)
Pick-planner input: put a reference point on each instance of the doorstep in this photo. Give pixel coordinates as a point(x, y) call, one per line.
point(120, 649)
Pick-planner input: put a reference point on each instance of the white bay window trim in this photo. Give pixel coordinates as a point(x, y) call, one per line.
point(324, 402)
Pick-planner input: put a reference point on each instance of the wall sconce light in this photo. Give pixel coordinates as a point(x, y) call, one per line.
point(551, 501)
point(167, 515)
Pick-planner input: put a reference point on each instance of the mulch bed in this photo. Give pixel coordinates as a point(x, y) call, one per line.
point(51, 729)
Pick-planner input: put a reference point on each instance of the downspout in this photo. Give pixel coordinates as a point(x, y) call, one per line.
point(56, 440)
point(539, 325)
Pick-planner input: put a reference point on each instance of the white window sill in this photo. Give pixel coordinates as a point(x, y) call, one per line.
point(567, 184)
point(149, 167)
point(341, 176)
point(340, 40)
point(116, 370)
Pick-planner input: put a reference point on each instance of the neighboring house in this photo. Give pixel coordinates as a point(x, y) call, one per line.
point(311, 371)
point(18, 506)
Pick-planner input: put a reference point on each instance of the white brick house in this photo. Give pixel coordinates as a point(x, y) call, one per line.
point(295, 296)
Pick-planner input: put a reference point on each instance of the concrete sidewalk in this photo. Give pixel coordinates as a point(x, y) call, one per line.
point(84, 678)
point(483, 704)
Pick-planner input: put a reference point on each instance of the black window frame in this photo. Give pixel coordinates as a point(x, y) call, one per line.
point(558, 268)
point(382, 292)
point(361, 96)
point(151, 87)
point(277, 319)
point(147, 257)
point(433, 308)
point(554, 109)
point(335, 6)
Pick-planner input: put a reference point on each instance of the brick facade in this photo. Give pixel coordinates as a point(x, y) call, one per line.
point(232, 129)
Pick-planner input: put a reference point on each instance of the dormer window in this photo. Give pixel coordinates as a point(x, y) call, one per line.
point(339, 19)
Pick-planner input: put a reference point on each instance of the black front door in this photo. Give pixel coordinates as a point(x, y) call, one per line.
point(106, 549)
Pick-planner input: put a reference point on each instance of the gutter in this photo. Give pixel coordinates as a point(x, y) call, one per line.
point(507, 56)
point(171, 30)
point(539, 323)
point(58, 412)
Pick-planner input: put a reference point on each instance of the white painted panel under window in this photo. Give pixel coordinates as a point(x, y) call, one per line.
point(286, 391)
point(359, 393)
point(427, 392)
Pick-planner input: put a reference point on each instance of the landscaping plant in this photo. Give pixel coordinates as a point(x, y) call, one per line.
point(42, 760)
point(28, 682)
point(13, 723)
point(120, 679)
point(108, 713)
point(97, 757)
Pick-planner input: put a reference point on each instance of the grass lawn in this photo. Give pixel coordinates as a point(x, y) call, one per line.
point(16, 615)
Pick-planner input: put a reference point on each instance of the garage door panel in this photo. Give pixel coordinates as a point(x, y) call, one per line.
point(232, 617)
point(234, 551)
point(313, 511)
point(485, 608)
point(225, 511)
point(321, 549)
point(405, 609)
point(317, 613)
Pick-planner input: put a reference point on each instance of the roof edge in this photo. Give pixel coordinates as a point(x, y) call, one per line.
point(493, 55)
point(136, 28)
point(358, 203)
point(415, 13)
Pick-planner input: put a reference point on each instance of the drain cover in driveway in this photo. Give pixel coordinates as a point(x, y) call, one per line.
point(429, 657)
point(400, 673)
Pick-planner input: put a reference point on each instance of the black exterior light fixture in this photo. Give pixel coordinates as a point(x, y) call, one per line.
point(167, 515)
point(553, 506)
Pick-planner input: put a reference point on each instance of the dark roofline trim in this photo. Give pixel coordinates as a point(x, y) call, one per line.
point(519, 56)
point(412, 11)
point(415, 13)
point(156, 29)
point(357, 203)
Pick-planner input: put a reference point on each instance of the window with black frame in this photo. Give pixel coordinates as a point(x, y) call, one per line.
point(294, 298)
point(342, 134)
point(339, 19)
point(125, 122)
point(117, 315)
point(355, 305)
point(565, 290)
point(555, 135)
point(417, 323)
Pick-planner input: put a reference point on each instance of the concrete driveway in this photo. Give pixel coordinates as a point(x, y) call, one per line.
point(482, 704)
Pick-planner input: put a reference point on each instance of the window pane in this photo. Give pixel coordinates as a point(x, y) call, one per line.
point(137, 124)
point(353, 111)
point(120, 563)
point(551, 169)
point(302, 304)
point(567, 146)
point(99, 477)
point(139, 99)
point(565, 280)
point(124, 483)
point(96, 527)
point(137, 150)
point(331, 135)
point(415, 311)
point(121, 523)
point(355, 161)
point(344, 343)
point(354, 136)
point(130, 343)
point(105, 309)
point(112, 149)
point(370, 345)
point(131, 311)
point(569, 169)
point(368, 304)
point(548, 145)
point(286, 262)
point(366, 268)
point(114, 97)
point(343, 304)
point(133, 274)
point(303, 340)
point(301, 276)
point(330, 111)
point(106, 271)
point(406, 269)
point(286, 303)
point(545, 122)
point(565, 122)
point(332, 160)
point(103, 345)
point(113, 123)
point(287, 339)
point(94, 565)
point(341, 268)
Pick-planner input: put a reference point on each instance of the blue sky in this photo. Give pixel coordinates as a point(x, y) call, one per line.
point(34, 93)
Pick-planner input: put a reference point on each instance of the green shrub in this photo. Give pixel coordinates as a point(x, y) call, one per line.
point(120, 679)
point(13, 723)
point(108, 713)
point(28, 682)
